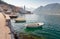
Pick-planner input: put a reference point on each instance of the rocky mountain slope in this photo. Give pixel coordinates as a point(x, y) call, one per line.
point(50, 9)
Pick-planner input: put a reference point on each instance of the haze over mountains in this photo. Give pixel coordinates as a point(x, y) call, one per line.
point(50, 9)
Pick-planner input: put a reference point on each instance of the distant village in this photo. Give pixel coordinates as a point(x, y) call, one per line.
point(11, 9)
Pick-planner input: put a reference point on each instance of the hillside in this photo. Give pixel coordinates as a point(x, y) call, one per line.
point(5, 7)
point(50, 9)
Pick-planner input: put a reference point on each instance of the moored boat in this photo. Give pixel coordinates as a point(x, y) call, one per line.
point(32, 25)
point(20, 20)
point(13, 16)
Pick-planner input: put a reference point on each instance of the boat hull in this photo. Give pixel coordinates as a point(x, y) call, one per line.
point(13, 17)
point(33, 28)
point(34, 25)
point(20, 21)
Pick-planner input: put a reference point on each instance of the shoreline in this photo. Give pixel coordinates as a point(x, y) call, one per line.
point(4, 30)
point(13, 34)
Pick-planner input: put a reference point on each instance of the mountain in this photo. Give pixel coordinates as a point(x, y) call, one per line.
point(1, 2)
point(8, 7)
point(50, 9)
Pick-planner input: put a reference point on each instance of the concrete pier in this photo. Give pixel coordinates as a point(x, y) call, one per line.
point(4, 30)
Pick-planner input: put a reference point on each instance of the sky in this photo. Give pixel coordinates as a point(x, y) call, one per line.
point(31, 3)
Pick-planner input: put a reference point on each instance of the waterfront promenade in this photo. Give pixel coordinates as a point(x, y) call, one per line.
point(4, 30)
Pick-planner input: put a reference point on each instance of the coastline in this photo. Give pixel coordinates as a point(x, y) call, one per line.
point(4, 30)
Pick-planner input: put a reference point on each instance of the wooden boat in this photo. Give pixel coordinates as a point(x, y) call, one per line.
point(32, 25)
point(18, 20)
point(13, 16)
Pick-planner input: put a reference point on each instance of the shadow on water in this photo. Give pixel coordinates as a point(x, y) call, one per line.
point(28, 34)
point(30, 29)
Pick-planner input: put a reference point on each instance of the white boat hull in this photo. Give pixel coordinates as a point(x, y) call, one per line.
point(34, 25)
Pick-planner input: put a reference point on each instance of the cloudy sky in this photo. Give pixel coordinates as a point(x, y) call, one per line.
point(31, 3)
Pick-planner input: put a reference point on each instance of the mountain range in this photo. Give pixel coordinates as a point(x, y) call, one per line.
point(49, 9)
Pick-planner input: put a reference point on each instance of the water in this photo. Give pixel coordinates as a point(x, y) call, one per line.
point(51, 29)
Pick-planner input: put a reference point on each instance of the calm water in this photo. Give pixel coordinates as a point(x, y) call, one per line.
point(51, 29)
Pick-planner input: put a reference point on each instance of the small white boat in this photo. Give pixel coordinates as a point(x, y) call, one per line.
point(34, 25)
point(18, 20)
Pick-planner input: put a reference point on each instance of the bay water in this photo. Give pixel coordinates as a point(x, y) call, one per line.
point(50, 29)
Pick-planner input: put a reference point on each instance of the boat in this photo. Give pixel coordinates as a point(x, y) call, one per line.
point(20, 20)
point(13, 16)
point(32, 25)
